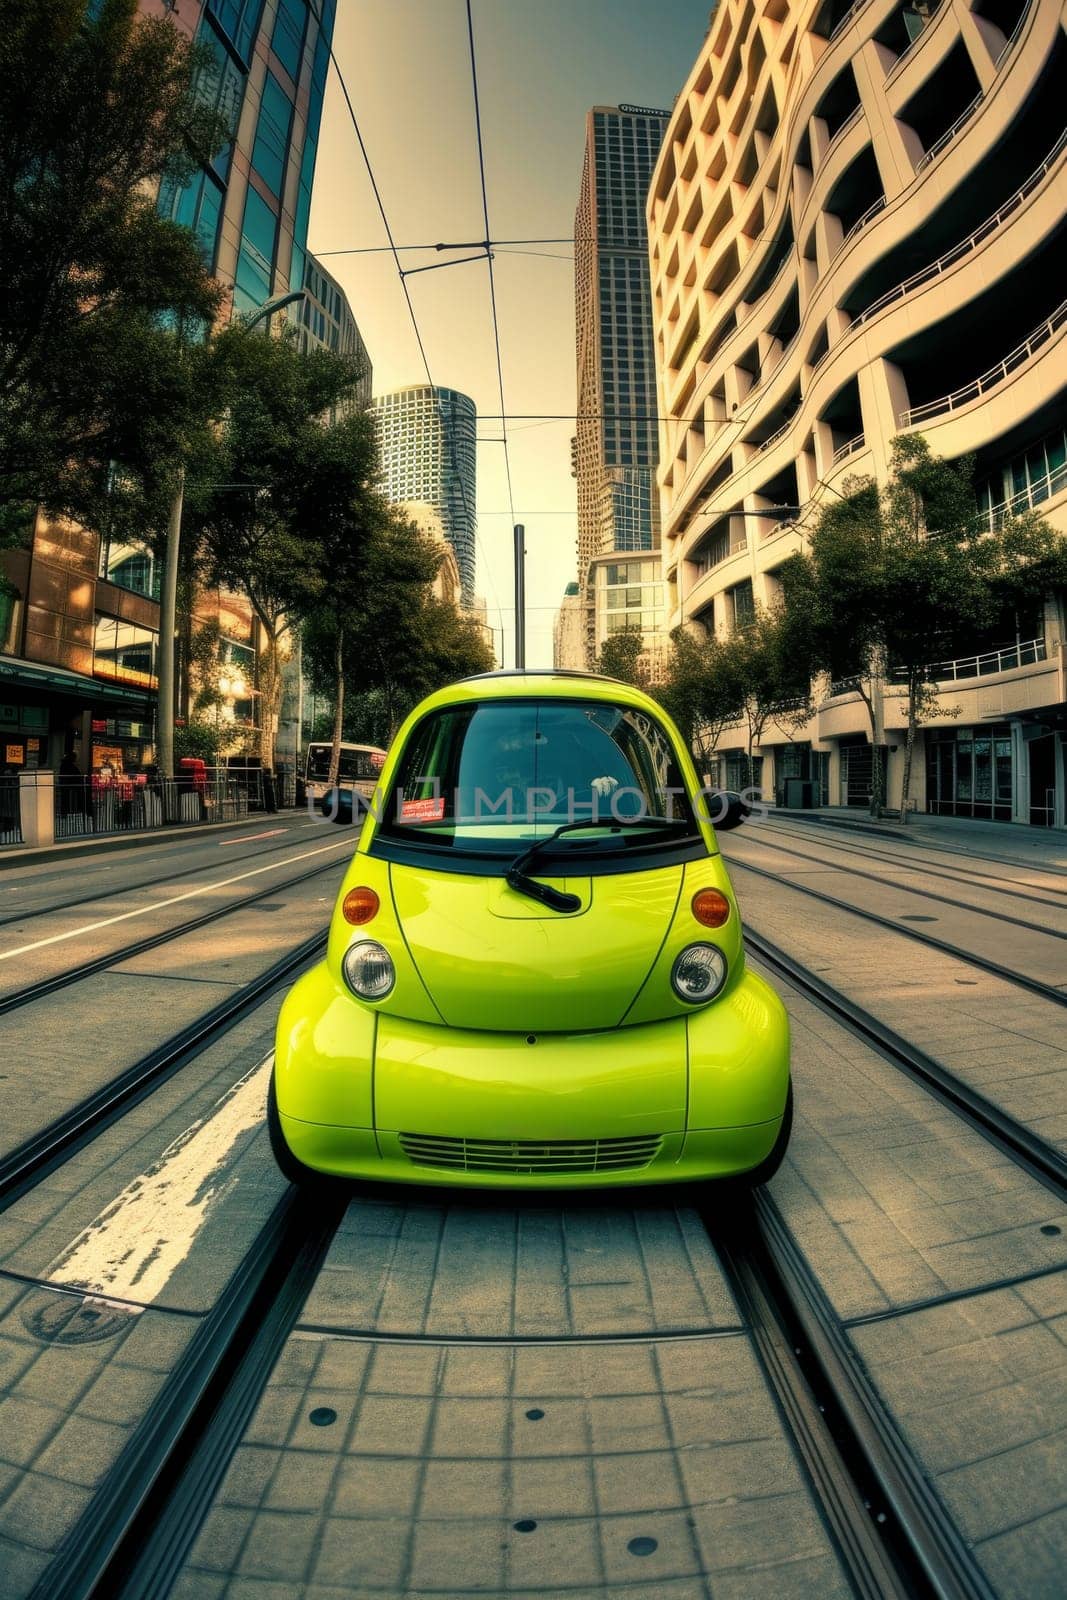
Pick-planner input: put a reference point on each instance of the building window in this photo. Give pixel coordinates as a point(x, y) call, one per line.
point(239, 21)
point(128, 567)
point(196, 205)
point(970, 772)
point(124, 653)
point(742, 605)
point(272, 134)
point(255, 263)
point(287, 41)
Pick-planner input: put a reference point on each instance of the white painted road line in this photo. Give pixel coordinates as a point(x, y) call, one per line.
point(133, 1248)
point(243, 838)
point(158, 905)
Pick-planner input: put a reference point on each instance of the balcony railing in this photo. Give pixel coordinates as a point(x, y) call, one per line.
point(1024, 653)
point(950, 133)
point(989, 380)
point(861, 222)
point(843, 22)
point(843, 451)
point(1036, 491)
point(905, 54)
point(845, 685)
point(982, 232)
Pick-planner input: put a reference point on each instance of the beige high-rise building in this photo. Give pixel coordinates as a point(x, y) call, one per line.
point(857, 230)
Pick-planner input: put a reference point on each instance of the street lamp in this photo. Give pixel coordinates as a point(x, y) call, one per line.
point(168, 599)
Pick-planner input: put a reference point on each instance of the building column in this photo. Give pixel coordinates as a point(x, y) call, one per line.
point(883, 397)
point(37, 807)
point(896, 166)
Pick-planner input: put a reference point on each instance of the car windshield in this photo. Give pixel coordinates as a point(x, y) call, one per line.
point(494, 777)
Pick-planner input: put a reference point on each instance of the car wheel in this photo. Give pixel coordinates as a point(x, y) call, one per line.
point(773, 1160)
point(288, 1165)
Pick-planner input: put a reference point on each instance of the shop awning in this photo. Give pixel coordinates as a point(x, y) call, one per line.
point(17, 673)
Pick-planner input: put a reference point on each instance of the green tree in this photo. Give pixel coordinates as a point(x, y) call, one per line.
point(899, 578)
point(399, 641)
point(279, 495)
point(620, 657)
point(99, 104)
point(772, 666)
point(704, 690)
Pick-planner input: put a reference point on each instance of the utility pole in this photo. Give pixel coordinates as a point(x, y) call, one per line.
point(168, 599)
point(520, 595)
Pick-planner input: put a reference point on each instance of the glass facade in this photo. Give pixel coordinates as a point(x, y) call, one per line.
point(970, 772)
point(1026, 480)
point(128, 566)
point(287, 40)
point(124, 653)
point(629, 597)
point(255, 262)
point(239, 21)
point(426, 438)
point(271, 148)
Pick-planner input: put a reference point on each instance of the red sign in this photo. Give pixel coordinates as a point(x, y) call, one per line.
point(422, 810)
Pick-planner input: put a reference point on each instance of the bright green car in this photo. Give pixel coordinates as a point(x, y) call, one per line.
point(535, 974)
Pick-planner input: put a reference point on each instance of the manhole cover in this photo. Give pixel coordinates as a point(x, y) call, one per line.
point(65, 1319)
point(272, 905)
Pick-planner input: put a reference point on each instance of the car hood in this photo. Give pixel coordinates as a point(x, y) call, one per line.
point(491, 957)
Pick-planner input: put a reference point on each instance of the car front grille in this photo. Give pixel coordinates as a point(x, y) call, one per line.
point(530, 1155)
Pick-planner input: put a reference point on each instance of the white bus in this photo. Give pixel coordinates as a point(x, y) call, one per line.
point(359, 768)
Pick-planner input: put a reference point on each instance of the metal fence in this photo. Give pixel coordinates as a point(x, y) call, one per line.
point(10, 814)
point(85, 806)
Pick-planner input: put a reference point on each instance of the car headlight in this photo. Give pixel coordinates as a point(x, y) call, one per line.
point(698, 973)
point(368, 970)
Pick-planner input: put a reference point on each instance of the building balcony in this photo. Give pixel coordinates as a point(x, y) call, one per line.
point(1023, 653)
point(980, 386)
point(1037, 491)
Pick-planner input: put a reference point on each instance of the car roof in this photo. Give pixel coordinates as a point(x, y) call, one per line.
point(542, 683)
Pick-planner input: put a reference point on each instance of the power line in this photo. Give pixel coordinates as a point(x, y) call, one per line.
point(460, 244)
point(489, 258)
point(392, 246)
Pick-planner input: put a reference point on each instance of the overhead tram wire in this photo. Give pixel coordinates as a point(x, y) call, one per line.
point(394, 249)
point(489, 257)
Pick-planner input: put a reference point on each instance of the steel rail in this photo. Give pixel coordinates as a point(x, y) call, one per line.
point(87, 969)
point(149, 883)
point(137, 1529)
point(32, 1160)
point(891, 1527)
point(1034, 985)
point(926, 894)
point(1016, 887)
point(1019, 1143)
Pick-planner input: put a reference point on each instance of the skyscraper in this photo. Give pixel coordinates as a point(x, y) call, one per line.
point(427, 443)
point(79, 620)
point(616, 444)
point(250, 206)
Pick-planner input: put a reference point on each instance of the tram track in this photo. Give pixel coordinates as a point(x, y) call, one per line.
point(913, 842)
point(893, 1533)
point(31, 1161)
point(1047, 991)
point(168, 878)
point(86, 969)
point(141, 1523)
point(1035, 1155)
point(926, 894)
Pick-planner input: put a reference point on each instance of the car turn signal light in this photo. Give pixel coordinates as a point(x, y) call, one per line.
point(711, 908)
point(359, 906)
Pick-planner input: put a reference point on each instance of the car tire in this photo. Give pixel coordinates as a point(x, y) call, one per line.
point(773, 1160)
point(288, 1165)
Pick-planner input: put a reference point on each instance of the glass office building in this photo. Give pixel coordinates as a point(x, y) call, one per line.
point(426, 438)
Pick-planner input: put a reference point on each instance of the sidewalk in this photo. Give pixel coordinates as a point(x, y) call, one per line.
point(1013, 841)
point(21, 855)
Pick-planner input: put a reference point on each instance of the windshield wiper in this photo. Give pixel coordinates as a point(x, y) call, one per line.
point(557, 899)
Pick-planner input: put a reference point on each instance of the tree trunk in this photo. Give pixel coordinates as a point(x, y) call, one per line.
point(877, 767)
point(909, 746)
point(270, 682)
point(338, 706)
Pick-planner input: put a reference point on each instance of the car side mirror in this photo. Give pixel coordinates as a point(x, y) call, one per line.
point(727, 810)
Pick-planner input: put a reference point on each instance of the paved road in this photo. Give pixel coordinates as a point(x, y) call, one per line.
point(552, 1397)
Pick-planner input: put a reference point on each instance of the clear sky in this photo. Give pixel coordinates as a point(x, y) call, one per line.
point(541, 65)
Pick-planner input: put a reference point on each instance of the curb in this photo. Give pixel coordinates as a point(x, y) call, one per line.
point(20, 855)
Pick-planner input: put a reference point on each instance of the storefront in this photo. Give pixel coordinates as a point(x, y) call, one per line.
point(48, 712)
point(970, 772)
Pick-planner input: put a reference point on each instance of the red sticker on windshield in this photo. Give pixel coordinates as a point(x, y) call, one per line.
point(422, 810)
